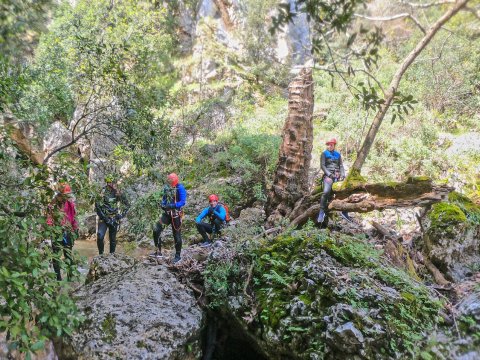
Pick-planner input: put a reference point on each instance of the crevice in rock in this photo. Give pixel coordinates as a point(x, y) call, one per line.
point(225, 338)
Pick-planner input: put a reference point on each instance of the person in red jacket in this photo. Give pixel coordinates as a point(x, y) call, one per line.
point(61, 215)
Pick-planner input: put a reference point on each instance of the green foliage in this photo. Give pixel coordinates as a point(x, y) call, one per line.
point(111, 64)
point(218, 277)
point(144, 213)
point(108, 328)
point(34, 306)
point(21, 21)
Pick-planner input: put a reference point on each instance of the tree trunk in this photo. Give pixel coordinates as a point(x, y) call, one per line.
point(21, 134)
point(291, 176)
point(390, 93)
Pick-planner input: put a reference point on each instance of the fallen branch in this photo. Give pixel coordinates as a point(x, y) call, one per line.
point(369, 197)
point(437, 275)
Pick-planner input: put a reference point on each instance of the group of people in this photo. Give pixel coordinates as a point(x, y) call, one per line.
point(113, 207)
point(173, 200)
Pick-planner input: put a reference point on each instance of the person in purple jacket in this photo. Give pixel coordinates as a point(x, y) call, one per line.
point(173, 200)
point(216, 215)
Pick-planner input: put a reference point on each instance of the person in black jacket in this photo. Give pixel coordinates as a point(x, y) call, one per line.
point(110, 210)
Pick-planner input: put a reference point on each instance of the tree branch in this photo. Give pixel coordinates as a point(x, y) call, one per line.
point(393, 17)
point(427, 5)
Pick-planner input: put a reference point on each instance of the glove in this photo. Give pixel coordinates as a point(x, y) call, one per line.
point(168, 207)
point(210, 211)
point(118, 217)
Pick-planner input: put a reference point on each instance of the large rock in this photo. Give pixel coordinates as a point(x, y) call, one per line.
point(452, 239)
point(320, 295)
point(140, 312)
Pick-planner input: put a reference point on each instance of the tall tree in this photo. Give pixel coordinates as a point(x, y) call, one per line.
point(391, 91)
point(291, 176)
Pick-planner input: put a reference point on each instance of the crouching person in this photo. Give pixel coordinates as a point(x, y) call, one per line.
point(216, 215)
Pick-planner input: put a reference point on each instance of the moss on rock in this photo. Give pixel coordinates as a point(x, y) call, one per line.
point(311, 284)
point(445, 215)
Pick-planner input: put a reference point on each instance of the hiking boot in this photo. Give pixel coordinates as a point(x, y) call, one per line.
point(344, 215)
point(157, 254)
point(205, 244)
point(176, 259)
point(321, 217)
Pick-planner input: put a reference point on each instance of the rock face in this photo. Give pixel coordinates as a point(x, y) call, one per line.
point(137, 311)
point(452, 240)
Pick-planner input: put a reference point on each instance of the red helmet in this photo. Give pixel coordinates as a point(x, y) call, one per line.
point(173, 178)
point(331, 141)
point(64, 188)
point(213, 197)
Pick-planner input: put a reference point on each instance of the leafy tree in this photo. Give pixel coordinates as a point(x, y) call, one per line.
point(21, 22)
point(100, 70)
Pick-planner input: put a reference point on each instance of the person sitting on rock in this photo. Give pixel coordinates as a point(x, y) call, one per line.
point(216, 219)
point(110, 210)
point(173, 200)
point(333, 171)
point(61, 215)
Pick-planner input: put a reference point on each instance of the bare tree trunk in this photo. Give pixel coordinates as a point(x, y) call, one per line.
point(291, 176)
point(390, 93)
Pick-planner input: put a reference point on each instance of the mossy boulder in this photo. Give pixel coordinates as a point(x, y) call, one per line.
point(329, 296)
point(452, 238)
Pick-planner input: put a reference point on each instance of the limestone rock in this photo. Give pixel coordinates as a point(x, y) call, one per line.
point(88, 225)
point(103, 265)
point(452, 242)
point(142, 312)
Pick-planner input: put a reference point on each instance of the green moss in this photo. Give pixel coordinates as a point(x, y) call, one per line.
point(354, 179)
point(281, 265)
point(444, 215)
point(470, 209)
point(108, 328)
point(306, 299)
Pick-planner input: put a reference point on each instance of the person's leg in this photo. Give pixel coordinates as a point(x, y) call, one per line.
point(217, 227)
point(56, 261)
point(67, 252)
point(112, 234)
point(327, 188)
point(177, 236)
point(102, 230)
point(203, 229)
point(157, 232)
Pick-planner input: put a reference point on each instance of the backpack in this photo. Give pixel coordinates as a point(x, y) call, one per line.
point(227, 216)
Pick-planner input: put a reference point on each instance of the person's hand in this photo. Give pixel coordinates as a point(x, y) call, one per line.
point(332, 176)
point(341, 178)
point(210, 211)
